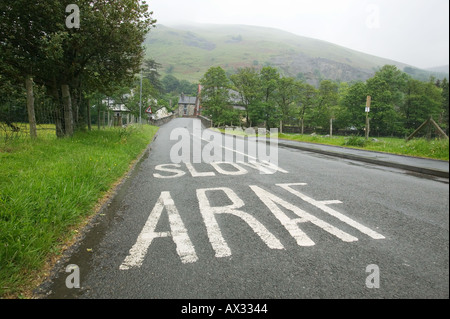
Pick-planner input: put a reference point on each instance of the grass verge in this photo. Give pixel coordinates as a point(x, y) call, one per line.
point(48, 187)
point(417, 147)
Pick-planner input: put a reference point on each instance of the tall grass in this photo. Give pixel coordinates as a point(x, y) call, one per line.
point(50, 185)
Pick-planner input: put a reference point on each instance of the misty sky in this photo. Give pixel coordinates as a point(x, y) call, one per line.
point(415, 32)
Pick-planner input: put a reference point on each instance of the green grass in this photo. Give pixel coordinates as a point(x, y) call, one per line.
point(50, 186)
point(420, 147)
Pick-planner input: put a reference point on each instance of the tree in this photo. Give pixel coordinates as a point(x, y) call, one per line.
point(327, 103)
point(268, 83)
point(170, 84)
point(422, 100)
point(188, 87)
point(352, 102)
point(22, 34)
point(386, 89)
point(215, 94)
point(150, 70)
point(306, 101)
point(104, 51)
point(138, 102)
point(445, 104)
point(246, 83)
point(287, 94)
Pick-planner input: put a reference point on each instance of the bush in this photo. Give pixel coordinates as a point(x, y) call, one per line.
point(355, 141)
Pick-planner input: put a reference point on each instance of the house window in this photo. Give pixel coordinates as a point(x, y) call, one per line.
point(185, 109)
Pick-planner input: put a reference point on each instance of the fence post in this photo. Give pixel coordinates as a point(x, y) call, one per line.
point(30, 106)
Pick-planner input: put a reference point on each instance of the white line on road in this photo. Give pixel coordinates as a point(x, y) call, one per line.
point(291, 224)
point(184, 246)
point(215, 235)
point(323, 206)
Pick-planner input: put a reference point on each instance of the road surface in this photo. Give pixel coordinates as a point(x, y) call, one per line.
point(292, 226)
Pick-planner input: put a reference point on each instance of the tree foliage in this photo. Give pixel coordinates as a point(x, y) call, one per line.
point(216, 95)
point(399, 103)
point(105, 52)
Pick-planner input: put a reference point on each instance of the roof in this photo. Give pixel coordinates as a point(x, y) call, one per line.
point(184, 99)
point(118, 108)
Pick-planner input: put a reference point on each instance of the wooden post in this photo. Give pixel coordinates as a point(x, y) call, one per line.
point(438, 129)
point(98, 113)
point(88, 111)
point(68, 116)
point(428, 122)
point(331, 127)
point(417, 130)
point(30, 106)
point(367, 116)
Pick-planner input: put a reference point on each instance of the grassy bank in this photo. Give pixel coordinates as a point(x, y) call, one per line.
point(49, 186)
point(418, 147)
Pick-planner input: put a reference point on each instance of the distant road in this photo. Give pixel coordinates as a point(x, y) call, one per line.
point(307, 226)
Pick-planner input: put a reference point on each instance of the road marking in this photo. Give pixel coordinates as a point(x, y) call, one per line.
point(194, 173)
point(215, 235)
point(163, 168)
point(291, 224)
point(256, 149)
point(184, 246)
point(323, 206)
point(215, 147)
point(275, 204)
point(239, 170)
point(263, 168)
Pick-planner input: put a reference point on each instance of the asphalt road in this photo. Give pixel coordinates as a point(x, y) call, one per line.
point(306, 226)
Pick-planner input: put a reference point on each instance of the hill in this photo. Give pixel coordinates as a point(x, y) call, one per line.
point(187, 51)
point(440, 69)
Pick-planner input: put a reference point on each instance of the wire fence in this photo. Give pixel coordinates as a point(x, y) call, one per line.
point(14, 121)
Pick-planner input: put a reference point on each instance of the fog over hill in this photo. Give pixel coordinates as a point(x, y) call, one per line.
point(187, 51)
point(440, 69)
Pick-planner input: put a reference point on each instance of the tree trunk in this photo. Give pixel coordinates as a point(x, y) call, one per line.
point(68, 115)
point(88, 114)
point(246, 117)
point(98, 113)
point(30, 106)
point(331, 127)
point(58, 111)
point(75, 107)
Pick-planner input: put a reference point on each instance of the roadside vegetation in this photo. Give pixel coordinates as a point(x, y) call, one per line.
point(419, 147)
point(49, 186)
point(398, 104)
point(60, 79)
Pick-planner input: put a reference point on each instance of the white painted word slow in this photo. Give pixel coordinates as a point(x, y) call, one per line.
point(186, 249)
point(225, 168)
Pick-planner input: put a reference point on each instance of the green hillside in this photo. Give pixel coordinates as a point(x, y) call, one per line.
point(188, 51)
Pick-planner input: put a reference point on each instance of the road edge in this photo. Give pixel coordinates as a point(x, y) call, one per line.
point(417, 169)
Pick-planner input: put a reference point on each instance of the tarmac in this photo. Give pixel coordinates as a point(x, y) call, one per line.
point(426, 166)
point(432, 167)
